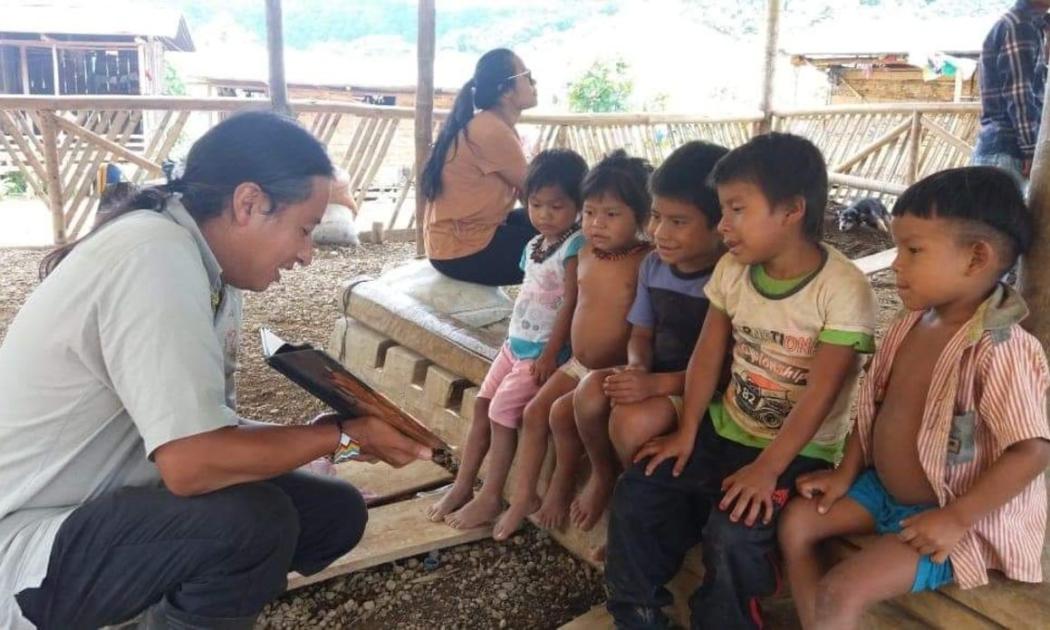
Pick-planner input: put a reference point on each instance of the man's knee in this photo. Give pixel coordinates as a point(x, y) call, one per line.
point(349, 517)
point(252, 513)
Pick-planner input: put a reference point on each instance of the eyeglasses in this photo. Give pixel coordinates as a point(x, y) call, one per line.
point(527, 74)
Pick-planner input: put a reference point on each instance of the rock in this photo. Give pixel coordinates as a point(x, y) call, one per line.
point(413, 563)
point(369, 605)
point(337, 227)
point(391, 585)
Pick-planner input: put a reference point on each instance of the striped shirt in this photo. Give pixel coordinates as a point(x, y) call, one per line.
point(1013, 76)
point(989, 390)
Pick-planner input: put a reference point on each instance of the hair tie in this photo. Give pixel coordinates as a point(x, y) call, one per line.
point(173, 184)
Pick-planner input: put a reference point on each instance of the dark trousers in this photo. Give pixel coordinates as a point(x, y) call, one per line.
point(499, 264)
point(210, 561)
point(655, 520)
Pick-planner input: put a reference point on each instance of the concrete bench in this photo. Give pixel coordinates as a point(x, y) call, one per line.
point(431, 365)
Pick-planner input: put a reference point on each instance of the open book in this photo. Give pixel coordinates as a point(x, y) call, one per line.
point(324, 377)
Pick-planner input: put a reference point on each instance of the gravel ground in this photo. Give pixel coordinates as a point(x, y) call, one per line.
point(529, 583)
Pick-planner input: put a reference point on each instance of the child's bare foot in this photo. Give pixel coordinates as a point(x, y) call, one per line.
point(554, 509)
point(588, 507)
point(597, 554)
point(482, 509)
point(512, 517)
point(453, 500)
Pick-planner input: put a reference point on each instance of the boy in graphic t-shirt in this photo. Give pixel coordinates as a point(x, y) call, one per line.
point(798, 313)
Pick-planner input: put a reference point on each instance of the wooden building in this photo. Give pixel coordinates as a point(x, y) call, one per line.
point(399, 96)
point(63, 48)
point(896, 61)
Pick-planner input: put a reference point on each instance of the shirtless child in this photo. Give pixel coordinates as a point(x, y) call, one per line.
point(946, 461)
point(615, 207)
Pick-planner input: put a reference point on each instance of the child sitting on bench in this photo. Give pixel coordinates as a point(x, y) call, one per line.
point(946, 461)
point(538, 338)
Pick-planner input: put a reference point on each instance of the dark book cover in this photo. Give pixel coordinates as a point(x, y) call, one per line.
point(318, 373)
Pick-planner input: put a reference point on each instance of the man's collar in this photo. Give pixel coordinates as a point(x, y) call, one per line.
point(178, 213)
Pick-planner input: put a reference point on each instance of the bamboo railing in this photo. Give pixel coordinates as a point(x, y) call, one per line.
point(58, 143)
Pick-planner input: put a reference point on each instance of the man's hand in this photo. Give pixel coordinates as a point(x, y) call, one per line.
point(749, 491)
point(632, 384)
point(380, 440)
point(934, 533)
point(677, 446)
point(543, 367)
point(827, 485)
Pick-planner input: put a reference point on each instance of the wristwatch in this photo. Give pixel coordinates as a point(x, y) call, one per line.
point(348, 448)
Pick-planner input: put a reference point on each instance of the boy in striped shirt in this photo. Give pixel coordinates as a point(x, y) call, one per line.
point(946, 460)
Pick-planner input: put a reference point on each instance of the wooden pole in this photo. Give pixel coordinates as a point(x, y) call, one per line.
point(1035, 266)
point(772, 31)
point(424, 106)
point(913, 146)
point(54, 188)
point(275, 46)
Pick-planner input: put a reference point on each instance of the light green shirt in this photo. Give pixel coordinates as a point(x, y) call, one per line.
point(120, 350)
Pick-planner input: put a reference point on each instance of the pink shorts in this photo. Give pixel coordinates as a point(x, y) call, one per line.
point(510, 386)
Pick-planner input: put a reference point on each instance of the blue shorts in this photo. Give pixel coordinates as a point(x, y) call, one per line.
point(868, 491)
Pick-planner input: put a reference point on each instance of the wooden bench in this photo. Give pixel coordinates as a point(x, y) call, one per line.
point(430, 365)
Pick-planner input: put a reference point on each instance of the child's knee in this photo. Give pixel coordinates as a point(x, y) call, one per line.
point(836, 598)
point(795, 526)
point(562, 417)
point(589, 399)
point(625, 429)
point(535, 414)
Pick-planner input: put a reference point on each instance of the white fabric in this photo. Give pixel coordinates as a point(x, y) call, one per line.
point(473, 304)
point(130, 343)
point(336, 227)
point(541, 297)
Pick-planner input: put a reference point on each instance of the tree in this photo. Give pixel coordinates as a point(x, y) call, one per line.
point(604, 87)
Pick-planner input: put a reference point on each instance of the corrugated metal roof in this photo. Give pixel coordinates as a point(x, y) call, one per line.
point(97, 19)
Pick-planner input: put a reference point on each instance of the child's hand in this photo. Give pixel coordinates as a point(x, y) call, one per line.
point(630, 385)
point(934, 533)
point(828, 485)
point(677, 446)
point(751, 490)
point(543, 367)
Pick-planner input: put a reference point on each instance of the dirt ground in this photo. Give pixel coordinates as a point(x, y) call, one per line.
point(529, 583)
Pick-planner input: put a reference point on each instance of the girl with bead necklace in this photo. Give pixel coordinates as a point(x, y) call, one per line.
point(616, 205)
point(538, 338)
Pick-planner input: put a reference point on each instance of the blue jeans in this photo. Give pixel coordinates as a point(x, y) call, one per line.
point(655, 520)
point(1012, 165)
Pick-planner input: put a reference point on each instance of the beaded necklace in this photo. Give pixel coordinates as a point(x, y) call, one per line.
point(540, 253)
point(623, 253)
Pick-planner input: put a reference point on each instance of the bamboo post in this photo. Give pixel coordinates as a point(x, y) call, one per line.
point(275, 47)
point(424, 107)
point(54, 187)
point(772, 29)
point(1035, 266)
point(913, 146)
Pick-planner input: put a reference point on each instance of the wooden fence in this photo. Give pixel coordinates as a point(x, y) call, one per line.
point(58, 143)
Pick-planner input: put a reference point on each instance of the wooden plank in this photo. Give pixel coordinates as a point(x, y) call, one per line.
point(594, 619)
point(394, 531)
point(382, 482)
point(876, 262)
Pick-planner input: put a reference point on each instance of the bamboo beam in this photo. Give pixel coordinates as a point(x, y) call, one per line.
point(914, 142)
point(871, 147)
point(424, 104)
point(54, 187)
point(278, 89)
point(947, 135)
point(110, 146)
point(772, 31)
point(853, 181)
point(1035, 266)
point(882, 108)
